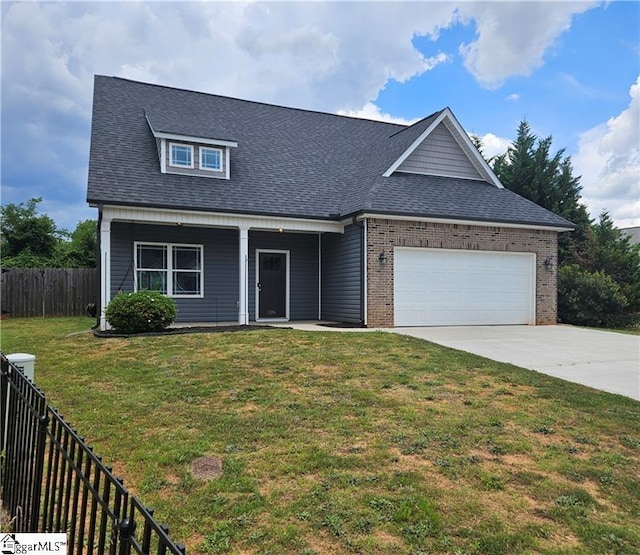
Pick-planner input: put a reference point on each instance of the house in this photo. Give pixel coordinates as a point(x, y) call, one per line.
point(633, 233)
point(244, 211)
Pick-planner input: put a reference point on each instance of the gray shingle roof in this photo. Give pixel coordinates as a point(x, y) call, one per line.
point(288, 162)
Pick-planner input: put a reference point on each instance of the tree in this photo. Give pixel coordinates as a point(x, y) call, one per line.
point(591, 299)
point(529, 169)
point(28, 238)
point(599, 270)
point(79, 251)
point(611, 252)
point(32, 240)
point(477, 142)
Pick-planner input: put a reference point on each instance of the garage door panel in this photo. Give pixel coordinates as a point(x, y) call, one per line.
point(456, 287)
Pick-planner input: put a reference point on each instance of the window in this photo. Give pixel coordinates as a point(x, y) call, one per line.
point(181, 156)
point(175, 270)
point(210, 159)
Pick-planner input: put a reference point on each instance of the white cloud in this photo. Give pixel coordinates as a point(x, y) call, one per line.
point(372, 111)
point(492, 145)
point(317, 55)
point(608, 159)
point(578, 89)
point(513, 37)
point(323, 56)
point(513, 97)
point(327, 56)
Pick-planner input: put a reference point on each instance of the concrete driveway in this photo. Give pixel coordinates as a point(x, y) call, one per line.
point(600, 359)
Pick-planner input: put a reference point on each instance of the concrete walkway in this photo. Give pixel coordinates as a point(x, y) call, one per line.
point(603, 360)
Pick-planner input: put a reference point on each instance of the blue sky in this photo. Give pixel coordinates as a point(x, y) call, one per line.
point(571, 69)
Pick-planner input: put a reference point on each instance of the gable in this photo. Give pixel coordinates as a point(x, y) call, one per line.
point(449, 159)
point(440, 154)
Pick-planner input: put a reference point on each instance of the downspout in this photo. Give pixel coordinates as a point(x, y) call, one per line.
point(361, 225)
point(319, 276)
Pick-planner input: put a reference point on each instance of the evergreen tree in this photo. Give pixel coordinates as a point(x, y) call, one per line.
point(599, 274)
point(611, 252)
point(529, 169)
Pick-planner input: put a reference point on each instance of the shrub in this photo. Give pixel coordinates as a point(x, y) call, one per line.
point(591, 299)
point(142, 311)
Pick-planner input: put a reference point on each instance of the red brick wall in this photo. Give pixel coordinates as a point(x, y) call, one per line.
point(384, 235)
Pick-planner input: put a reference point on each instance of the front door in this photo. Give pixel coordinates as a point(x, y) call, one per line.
point(272, 285)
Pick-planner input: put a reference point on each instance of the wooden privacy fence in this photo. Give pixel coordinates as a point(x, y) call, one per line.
point(48, 291)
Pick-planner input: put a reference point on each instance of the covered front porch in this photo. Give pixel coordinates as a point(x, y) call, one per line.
point(233, 268)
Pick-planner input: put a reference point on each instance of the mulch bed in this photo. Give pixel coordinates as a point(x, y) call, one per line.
point(342, 325)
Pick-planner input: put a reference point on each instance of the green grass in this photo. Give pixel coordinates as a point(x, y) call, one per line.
point(629, 331)
point(347, 442)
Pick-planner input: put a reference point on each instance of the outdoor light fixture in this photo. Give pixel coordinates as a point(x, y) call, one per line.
point(548, 264)
point(382, 257)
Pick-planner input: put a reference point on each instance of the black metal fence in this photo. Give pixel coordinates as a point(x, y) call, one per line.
point(52, 481)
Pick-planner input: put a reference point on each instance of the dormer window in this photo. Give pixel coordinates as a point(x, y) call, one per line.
point(210, 159)
point(181, 156)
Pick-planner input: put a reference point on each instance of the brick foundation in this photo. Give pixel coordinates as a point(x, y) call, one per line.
point(384, 235)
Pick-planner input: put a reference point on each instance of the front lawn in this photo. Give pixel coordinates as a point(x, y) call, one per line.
point(335, 443)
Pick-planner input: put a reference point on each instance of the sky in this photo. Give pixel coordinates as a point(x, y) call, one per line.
point(570, 69)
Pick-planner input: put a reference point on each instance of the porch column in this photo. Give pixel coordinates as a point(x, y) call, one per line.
point(243, 304)
point(105, 270)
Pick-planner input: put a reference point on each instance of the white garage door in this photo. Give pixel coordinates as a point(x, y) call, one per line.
point(440, 287)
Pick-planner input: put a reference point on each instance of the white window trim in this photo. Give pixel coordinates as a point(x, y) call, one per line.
point(204, 168)
point(163, 156)
point(171, 163)
point(170, 269)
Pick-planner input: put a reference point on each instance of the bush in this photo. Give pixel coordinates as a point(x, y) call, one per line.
point(142, 311)
point(591, 299)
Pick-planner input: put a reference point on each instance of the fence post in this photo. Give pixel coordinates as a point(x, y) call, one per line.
point(43, 422)
point(4, 412)
point(126, 528)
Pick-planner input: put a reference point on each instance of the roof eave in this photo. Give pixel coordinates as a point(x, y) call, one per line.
point(157, 206)
point(483, 222)
point(189, 138)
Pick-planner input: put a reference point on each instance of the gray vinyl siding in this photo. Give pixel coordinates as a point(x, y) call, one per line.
point(440, 154)
point(303, 270)
point(221, 274)
point(159, 147)
point(342, 276)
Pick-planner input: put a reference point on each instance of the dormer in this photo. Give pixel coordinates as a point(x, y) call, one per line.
point(196, 156)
